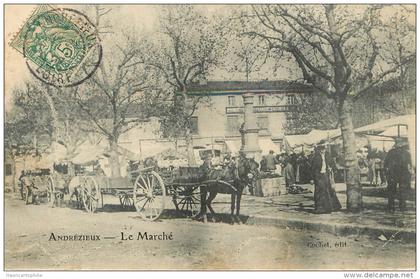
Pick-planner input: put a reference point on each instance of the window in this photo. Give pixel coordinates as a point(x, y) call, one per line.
point(233, 125)
point(261, 100)
point(292, 100)
point(262, 122)
point(194, 125)
point(8, 170)
point(231, 101)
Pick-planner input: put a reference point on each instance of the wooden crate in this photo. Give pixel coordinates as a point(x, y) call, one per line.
point(269, 187)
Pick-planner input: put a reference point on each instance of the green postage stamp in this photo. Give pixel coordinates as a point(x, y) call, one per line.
point(61, 46)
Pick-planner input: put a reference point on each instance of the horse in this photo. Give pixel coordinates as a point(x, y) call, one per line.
point(238, 175)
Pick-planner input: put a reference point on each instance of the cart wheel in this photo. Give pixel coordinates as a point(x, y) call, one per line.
point(50, 192)
point(188, 199)
point(90, 194)
point(149, 195)
point(126, 201)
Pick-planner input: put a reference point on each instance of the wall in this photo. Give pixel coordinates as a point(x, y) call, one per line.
point(213, 123)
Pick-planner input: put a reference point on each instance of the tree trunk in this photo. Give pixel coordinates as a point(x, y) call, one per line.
point(114, 162)
point(354, 190)
point(188, 135)
point(190, 149)
point(54, 114)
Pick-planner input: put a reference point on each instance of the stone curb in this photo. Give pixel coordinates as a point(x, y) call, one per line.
point(407, 235)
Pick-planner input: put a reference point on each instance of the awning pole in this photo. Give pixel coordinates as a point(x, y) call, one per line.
point(141, 157)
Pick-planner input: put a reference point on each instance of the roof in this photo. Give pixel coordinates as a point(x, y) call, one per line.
point(238, 87)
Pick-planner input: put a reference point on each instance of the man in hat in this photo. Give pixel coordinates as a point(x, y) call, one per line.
point(271, 161)
point(325, 198)
point(398, 169)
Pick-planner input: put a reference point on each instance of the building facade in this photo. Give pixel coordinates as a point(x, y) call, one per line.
point(219, 117)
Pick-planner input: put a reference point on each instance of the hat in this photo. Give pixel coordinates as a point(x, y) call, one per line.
point(322, 144)
point(400, 142)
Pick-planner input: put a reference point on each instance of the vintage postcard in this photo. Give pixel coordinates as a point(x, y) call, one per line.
point(210, 137)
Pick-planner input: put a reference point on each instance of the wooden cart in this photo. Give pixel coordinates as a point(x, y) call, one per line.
point(147, 191)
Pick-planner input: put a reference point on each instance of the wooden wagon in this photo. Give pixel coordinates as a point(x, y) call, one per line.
point(148, 191)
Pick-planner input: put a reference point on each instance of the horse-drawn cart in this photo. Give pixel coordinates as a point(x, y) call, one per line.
point(192, 189)
point(148, 191)
point(186, 185)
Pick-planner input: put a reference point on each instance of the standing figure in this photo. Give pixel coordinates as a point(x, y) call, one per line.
point(289, 175)
point(371, 169)
point(21, 184)
point(31, 194)
point(242, 132)
point(263, 164)
point(398, 168)
point(271, 161)
point(326, 200)
point(378, 163)
point(382, 156)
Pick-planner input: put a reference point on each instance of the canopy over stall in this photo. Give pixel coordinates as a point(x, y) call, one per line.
point(171, 157)
point(150, 148)
point(293, 142)
point(386, 130)
point(89, 153)
point(265, 143)
point(56, 153)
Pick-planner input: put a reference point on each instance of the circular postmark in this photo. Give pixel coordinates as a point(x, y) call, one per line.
point(62, 47)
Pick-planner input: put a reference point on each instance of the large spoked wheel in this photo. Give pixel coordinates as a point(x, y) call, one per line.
point(187, 199)
point(126, 201)
point(149, 195)
point(50, 192)
point(90, 194)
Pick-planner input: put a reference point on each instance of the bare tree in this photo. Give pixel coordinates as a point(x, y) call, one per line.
point(184, 52)
point(311, 111)
point(112, 99)
point(343, 51)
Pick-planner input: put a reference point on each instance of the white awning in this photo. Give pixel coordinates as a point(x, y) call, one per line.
point(233, 146)
point(313, 137)
point(389, 128)
point(408, 120)
point(266, 144)
point(151, 148)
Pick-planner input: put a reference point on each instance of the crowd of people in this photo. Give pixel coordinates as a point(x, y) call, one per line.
point(371, 165)
point(319, 167)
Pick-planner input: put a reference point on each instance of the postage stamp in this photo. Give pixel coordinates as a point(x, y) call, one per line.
point(61, 46)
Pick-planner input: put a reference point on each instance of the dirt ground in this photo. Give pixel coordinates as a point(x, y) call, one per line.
point(198, 246)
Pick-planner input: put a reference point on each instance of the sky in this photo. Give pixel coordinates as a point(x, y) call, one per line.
point(140, 19)
point(133, 18)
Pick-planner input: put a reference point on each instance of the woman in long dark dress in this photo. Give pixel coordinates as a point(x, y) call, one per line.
point(325, 197)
